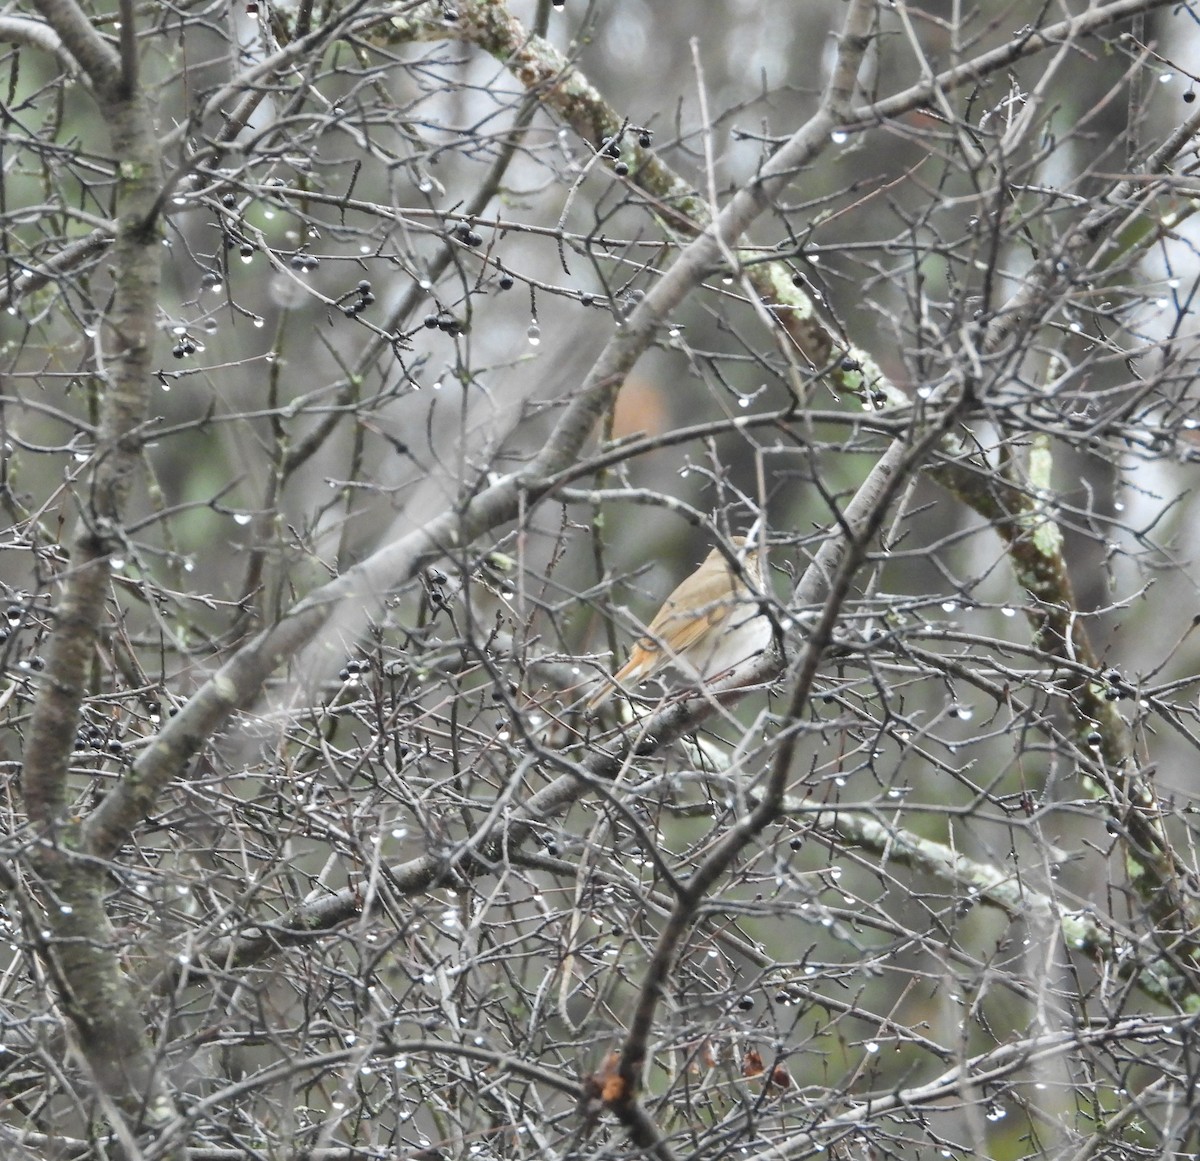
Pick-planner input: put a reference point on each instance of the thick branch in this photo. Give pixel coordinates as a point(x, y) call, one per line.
point(81, 948)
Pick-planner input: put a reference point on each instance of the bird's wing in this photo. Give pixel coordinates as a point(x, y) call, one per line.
point(683, 630)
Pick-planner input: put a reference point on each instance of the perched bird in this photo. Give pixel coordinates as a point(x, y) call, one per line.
point(709, 624)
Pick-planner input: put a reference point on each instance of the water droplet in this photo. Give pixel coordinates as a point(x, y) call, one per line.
point(839, 136)
point(871, 1046)
point(534, 334)
point(950, 606)
point(242, 518)
point(1007, 612)
point(1166, 78)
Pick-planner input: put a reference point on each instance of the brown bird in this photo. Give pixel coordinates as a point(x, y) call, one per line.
point(709, 624)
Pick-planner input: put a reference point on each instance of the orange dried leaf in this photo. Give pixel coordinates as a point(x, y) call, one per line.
point(613, 1090)
point(609, 1080)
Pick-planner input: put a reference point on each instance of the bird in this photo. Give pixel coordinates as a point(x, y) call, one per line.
point(709, 624)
